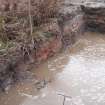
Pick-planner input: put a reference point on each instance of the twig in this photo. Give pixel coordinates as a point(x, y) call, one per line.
point(65, 96)
point(30, 19)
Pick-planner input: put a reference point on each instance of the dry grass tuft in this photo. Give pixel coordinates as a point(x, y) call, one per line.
point(45, 9)
point(15, 25)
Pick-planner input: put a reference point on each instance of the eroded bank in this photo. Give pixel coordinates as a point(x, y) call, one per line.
point(62, 30)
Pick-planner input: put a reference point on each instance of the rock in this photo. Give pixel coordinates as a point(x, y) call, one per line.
point(72, 29)
point(41, 84)
point(6, 84)
point(94, 8)
point(68, 12)
point(71, 23)
point(94, 16)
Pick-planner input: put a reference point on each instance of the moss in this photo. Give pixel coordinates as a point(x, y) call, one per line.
point(7, 45)
point(1, 22)
point(2, 19)
point(44, 36)
point(10, 19)
point(2, 45)
point(1, 28)
point(48, 34)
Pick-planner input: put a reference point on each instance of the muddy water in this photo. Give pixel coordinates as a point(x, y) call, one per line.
point(78, 72)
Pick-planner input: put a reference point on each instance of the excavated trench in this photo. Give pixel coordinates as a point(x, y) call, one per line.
point(77, 72)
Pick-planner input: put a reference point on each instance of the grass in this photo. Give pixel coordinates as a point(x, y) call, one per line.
point(44, 10)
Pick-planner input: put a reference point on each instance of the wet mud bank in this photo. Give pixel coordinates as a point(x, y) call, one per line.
point(49, 38)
